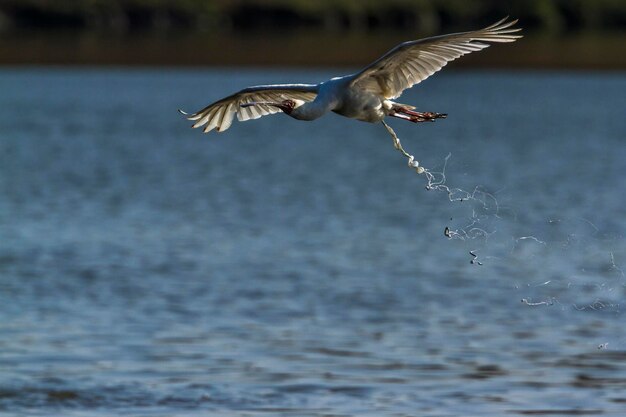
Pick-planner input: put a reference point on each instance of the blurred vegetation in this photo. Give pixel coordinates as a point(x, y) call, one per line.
point(557, 33)
point(418, 16)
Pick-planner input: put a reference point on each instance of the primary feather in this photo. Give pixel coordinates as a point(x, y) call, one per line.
point(412, 62)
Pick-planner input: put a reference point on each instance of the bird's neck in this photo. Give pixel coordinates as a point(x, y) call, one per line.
point(311, 110)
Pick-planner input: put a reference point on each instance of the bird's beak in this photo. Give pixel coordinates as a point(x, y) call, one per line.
point(285, 108)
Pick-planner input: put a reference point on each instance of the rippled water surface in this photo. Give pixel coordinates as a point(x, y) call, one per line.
point(300, 269)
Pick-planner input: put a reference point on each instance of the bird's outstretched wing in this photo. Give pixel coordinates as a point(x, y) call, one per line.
point(220, 114)
point(412, 62)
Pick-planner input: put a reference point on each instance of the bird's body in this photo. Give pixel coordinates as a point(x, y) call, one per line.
point(366, 95)
point(356, 103)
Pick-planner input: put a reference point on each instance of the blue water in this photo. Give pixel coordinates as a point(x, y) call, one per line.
point(301, 269)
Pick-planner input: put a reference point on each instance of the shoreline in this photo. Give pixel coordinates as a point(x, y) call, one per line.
point(308, 49)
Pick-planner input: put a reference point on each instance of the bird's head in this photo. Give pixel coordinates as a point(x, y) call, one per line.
point(286, 105)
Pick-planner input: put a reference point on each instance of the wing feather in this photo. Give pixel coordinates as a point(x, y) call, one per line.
point(220, 115)
point(412, 62)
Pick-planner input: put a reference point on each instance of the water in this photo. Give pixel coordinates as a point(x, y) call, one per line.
point(300, 269)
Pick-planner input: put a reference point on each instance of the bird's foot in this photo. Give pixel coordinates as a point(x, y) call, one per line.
point(416, 116)
point(432, 115)
point(426, 116)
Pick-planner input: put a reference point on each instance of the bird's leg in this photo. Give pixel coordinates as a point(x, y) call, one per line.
point(396, 143)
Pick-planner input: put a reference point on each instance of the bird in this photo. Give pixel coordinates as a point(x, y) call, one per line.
point(366, 95)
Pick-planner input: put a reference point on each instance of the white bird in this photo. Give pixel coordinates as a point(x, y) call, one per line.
point(366, 95)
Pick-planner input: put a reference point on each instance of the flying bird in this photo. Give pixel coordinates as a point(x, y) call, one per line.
point(366, 95)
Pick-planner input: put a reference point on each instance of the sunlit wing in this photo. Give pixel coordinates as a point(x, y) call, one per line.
point(412, 62)
point(219, 115)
